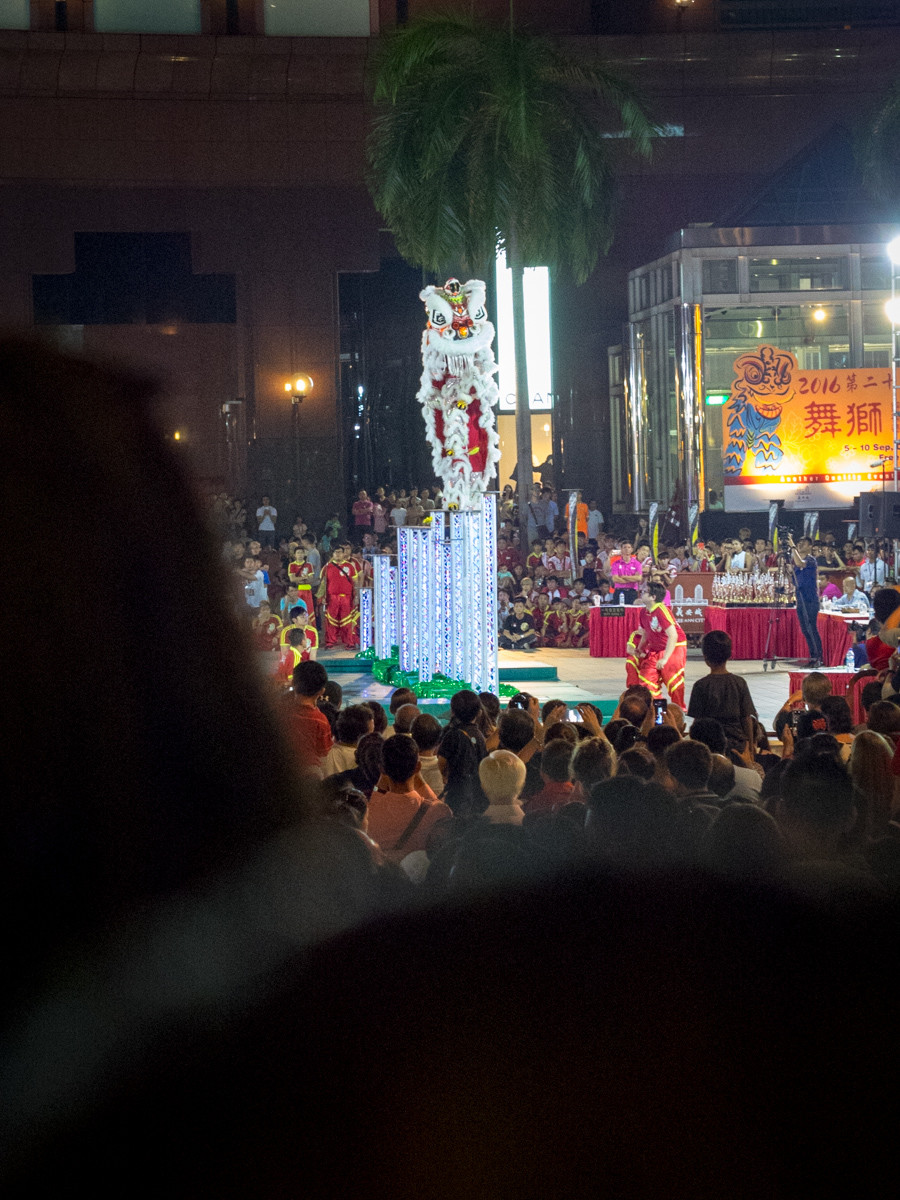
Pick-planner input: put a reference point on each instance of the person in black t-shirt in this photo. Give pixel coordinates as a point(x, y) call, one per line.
point(722, 695)
point(518, 629)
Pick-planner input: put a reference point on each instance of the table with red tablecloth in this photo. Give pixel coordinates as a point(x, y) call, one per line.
point(840, 682)
point(608, 635)
point(748, 628)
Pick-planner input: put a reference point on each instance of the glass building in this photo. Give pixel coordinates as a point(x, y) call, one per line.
point(814, 284)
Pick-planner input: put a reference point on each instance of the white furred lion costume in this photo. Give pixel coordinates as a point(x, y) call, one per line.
point(458, 390)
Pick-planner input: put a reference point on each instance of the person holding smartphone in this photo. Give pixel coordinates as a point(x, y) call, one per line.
point(807, 590)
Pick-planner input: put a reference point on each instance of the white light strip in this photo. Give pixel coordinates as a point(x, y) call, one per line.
point(404, 631)
point(490, 673)
point(393, 622)
point(365, 618)
point(381, 568)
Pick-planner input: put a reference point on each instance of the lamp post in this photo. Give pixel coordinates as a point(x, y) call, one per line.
point(297, 388)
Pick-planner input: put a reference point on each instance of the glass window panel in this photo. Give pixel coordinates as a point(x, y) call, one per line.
point(729, 332)
point(644, 292)
point(876, 336)
point(301, 18)
point(876, 274)
point(797, 274)
point(147, 16)
point(14, 14)
point(719, 275)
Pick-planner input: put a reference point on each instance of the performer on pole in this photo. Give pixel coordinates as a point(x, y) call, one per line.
point(662, 648)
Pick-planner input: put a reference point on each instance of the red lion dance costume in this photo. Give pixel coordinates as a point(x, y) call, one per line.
point(645, 647)
point(458, 390)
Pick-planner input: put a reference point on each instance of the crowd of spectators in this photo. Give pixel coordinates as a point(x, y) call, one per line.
point(545, 590)
point(493, 795)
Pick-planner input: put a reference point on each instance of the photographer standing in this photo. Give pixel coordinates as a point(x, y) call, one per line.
point(807, 597)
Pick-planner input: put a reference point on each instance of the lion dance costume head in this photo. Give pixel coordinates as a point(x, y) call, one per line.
point(458, 390)
point(763, 384)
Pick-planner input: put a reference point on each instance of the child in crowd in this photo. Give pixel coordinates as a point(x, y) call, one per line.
point(300, 620)
point(721, 695)
point(266, 627)
point(353, 723)
point(308, 728)
point(427, 732)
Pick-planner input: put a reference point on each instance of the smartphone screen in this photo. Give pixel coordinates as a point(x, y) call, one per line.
point(659, 707)
point(574, 715)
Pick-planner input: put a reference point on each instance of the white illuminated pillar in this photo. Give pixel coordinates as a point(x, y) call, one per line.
point(381, 565)
point(365, 618)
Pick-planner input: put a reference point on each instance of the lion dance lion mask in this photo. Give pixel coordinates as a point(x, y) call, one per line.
point(458, 390)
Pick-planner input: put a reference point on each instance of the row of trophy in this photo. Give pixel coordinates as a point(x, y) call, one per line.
point(769, 588)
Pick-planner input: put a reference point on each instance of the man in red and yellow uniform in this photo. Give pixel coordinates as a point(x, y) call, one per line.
point(339, 589)
point(662, 647)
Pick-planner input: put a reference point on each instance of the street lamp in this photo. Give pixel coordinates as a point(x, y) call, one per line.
point(893, 311)
point(298, 388)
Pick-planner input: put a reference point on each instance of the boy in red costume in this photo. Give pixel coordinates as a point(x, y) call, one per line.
point(662, 648)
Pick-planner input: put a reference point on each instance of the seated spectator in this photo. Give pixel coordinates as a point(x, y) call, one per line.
point(884, 717)
point(722, 695)
point(721, 777)
point(518, 632)
point(851, 599)
point(816, 813)
point(400, 819)
point(744, 841)
point(379, 716)
point(555, 767)
point(634, 710)
point(490, 715)
point(458, 756)
point(465, 714)
point(880, 646)
point(404, 718)
point(353, 723)
point(712, 734)
point(426, 732)
point(689, 763)
point(659, 739)
point(399, 697)
point(502, 777)
point(629, 821)
point(839, 722)
point(637, 761)
point(593, 760)
point(870, 762)
point(308, 727)
point(369, 766)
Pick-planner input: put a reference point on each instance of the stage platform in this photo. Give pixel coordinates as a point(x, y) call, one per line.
point(533, 673)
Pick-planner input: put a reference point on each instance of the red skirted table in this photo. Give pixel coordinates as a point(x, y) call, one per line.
point(607, 635)
point(840, 682)
point(748, 628)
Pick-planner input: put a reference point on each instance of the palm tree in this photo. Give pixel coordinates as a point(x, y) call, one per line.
point(488, 138)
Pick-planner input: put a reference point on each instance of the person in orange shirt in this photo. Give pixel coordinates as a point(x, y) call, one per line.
point(400, 818)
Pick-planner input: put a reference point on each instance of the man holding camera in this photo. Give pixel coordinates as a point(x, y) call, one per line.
point(807, 590)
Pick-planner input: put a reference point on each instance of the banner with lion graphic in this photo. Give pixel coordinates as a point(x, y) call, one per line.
point(811, 438)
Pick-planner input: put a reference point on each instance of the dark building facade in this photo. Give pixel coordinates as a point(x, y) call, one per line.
point(225, 168)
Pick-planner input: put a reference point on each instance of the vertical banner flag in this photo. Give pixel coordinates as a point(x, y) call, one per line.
point(773, 525)
point(653, 518)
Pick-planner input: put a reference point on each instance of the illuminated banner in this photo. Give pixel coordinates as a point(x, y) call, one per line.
point(810, 438)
